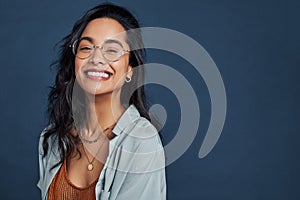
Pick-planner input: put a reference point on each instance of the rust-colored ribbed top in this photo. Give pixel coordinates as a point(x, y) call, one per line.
point(61, 188)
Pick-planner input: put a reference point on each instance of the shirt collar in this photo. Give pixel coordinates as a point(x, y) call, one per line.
point(130, 116)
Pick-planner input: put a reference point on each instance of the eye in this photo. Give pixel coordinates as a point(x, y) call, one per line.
point(112, 47)
point(112, 50)
point(85, 48)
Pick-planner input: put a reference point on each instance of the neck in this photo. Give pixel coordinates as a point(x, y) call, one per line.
point(104, 110)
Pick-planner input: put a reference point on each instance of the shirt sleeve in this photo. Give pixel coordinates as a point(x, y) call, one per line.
point(41, 161)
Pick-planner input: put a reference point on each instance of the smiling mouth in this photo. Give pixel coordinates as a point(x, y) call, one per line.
point(97, 75)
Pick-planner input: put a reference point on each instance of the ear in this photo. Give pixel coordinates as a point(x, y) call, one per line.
point(129, 71)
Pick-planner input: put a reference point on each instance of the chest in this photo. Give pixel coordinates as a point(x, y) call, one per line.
point(85, 168)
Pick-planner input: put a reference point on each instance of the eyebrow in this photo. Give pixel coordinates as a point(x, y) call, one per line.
point(114, 41)
point(106, 41)
point(87, 38)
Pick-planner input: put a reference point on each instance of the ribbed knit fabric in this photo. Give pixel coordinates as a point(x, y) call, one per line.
point(61, 188)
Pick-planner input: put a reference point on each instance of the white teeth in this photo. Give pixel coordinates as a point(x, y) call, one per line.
point(102, 74)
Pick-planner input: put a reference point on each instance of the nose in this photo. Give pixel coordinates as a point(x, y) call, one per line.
point(97, 58)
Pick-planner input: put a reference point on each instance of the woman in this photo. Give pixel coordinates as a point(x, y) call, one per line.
point(100, 143)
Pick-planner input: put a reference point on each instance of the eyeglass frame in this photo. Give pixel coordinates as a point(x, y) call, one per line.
point(73, 46)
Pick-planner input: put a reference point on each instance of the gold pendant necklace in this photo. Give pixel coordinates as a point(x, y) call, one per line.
point(90, 166)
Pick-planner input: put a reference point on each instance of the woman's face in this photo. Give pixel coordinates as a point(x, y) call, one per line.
point(95, 74)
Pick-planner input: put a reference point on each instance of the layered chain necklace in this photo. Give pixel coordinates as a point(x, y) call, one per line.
point(90, 166)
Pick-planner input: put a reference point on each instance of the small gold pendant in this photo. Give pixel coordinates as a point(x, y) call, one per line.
point(90, 167)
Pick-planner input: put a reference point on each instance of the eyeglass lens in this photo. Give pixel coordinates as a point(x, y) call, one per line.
point(111, 49)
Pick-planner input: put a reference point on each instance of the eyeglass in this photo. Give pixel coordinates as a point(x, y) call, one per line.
point(111, 49)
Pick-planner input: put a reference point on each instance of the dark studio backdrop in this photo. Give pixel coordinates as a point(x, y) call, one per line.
point(255, 45)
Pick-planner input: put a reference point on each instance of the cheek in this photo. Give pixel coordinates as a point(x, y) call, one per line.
point(78, 63)
point(123, 65)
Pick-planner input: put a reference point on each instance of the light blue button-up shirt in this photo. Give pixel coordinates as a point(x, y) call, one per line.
point(135, 166)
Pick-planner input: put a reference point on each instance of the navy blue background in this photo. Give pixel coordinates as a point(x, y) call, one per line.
point(256, 47)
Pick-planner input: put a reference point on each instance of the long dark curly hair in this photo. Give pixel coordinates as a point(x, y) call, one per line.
point(61, 118)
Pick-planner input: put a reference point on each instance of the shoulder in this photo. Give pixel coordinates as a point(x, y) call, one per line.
point(143, 129)
point(51, 140)
point(137, 130)
point(138, 138)
point(138, 149)
point(132, 120)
